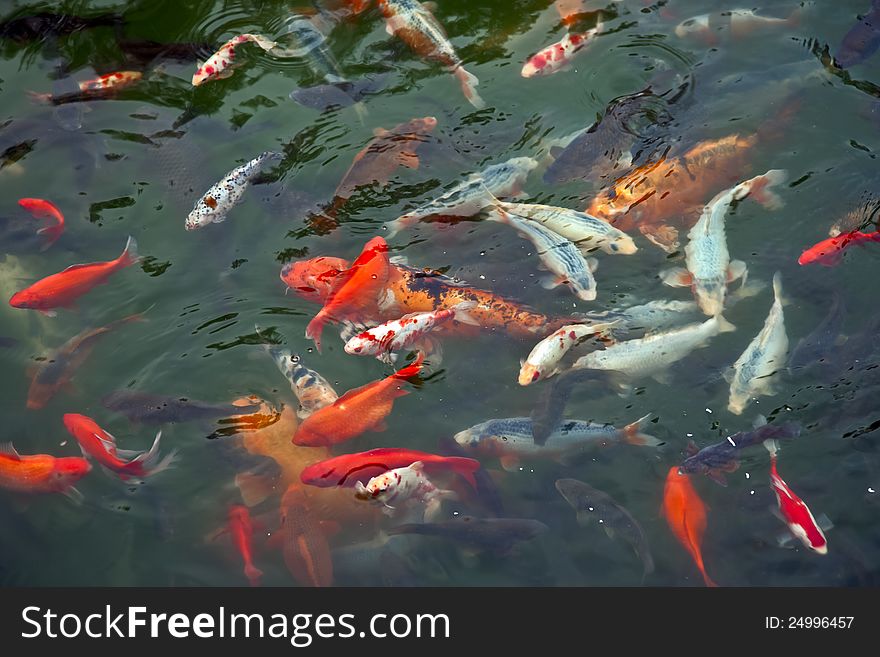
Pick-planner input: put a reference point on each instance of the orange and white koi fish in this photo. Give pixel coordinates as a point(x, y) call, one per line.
point(64, 288)
point(242, 530)
point(41, 473)
point(43, 209)
point(542, 361)
point(413, 23)
point(100, 445)
point(93, 88)
point(357, 411)
point(686, 515)
point(356, 290)
point(558, 56)
point(795, 513)
point(219, 65)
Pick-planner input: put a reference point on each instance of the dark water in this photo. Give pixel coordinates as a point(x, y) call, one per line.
point(135, 163)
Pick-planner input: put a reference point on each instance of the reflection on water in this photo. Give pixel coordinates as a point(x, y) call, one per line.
point(655, 114)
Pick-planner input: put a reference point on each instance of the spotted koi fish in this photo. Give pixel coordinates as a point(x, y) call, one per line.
point(403, 485)
point(225, 194)
point(413, 23)
point(92, 88)
point(558, 56)
point(219, 65)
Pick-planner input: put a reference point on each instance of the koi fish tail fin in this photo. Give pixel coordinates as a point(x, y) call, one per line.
point(762, 188)
point(412, 369)
point(708, 580)
point(253, 574)
point(633, 435)
point(37, 97)
point(129, 255)
point(777, 290)
point(465, 468)
point(315, 328)
point(469, 84)
point(772, 446)
point(723, 325)
point(263, 42)
point(146, 464)
point(462, 315)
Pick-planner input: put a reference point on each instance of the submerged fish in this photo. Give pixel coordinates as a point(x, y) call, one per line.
point(594, 506)
point(402, 485)
point(381, 157)
point(499, 535)
point(37, 26)
point(737, 23)
point(414, 24)
point(709, 268)
point(686, 515)
point(311, 389)
point(43, 209)
point(652, 354)
point(862, 40)
point(829, 252)
point(101, 87)
point(819, 346)
point(471, 196)
point(351, 469)
point(357, 411)
point(765, 356)
point(242, 530)
point(558, 254)
point(215, 204)
point(147, 408)
point(58, 368)
point(64, 288)
point(41, 473)
point(714, 460)
point(220, 64)
point(303, 543)
point(310, 45)
point(794, 512)
point(511, 439)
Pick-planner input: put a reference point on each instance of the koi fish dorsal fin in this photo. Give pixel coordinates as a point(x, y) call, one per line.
point(7, 449)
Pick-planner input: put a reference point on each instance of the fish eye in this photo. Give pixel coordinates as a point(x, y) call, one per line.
point(358, 349)
point(615, 247)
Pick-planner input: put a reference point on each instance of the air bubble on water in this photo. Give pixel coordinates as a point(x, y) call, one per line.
point(482, 277)
point(482, 253)
point(310, 350)
point(751, 492)
point(709, 410)
point(374, 276)
point(871, 490)
point(689, 435)
point(590, 508)
point(62, 443)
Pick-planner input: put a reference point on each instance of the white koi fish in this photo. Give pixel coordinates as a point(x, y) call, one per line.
point(543, 360)
point(400, 334)
point(413, 23)
point(220, 64)
point(709, 268)
point(402, 485)
point(586, 231)
point(765, 355)
point(473, 195)
point(224, 195)
point(558, 56)
point(652, 354)
point(511, 439)
point(557, 254)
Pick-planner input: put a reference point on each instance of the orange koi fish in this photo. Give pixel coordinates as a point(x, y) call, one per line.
point(63, 288)
point(42, 209)
point(41, 473)
point(93, 89)
point(303, 543)
point(242, 530)
point(686, 515)
point(356, 290)
point(359, 410)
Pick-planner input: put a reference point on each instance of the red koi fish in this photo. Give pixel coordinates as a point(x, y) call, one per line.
point(355, 290)
point(359, 410)
point(686, 515)
point(42, 209)
point(793, 510)
point(219, 65)
point(100, 445)
point(559, 55)
point(41, 473)
point(830, 251)
point(303, 543)
point(63, 288)
point(349, 469)
point(313, 279)
point(242, 530)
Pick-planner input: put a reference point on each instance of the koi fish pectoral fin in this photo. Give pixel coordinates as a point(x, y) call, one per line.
point(677, 277)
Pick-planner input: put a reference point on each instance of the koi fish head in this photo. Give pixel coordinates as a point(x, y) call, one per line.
point(377, 487)
point(68, 470)
point(313, 279)
point(622, 245)
point(24, 299)
point(363, 343)
point(827, 252)
point(528, 374)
